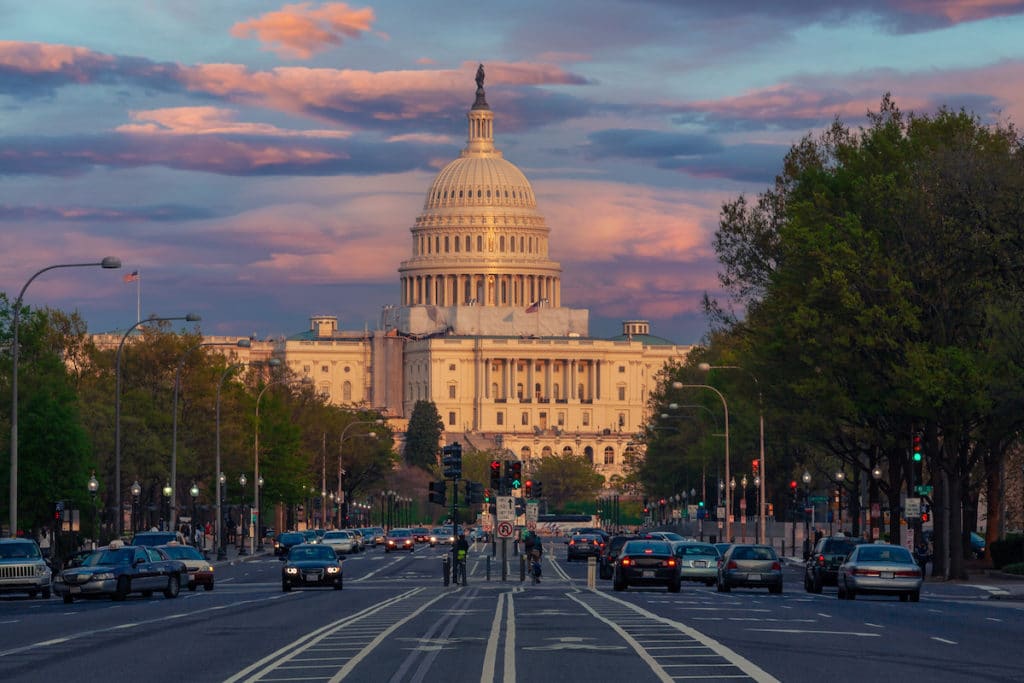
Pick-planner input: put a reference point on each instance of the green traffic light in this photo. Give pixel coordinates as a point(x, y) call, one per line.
point(917, 457)
point(700, 504)
point(516, 484)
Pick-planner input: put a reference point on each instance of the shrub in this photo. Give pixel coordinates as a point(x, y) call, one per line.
point(1017, 568)
point(1008, 551)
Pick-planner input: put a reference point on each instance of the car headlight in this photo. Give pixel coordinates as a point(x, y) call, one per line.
point(103, 576)
point(210, 569)
point(42, 570)
point(333, 570)
point(291, 570)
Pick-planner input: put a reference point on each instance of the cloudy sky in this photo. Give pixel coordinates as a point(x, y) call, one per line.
point(258, 162)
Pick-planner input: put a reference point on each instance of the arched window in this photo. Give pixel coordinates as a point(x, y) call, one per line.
point(609, 455)
point(524, 453)
point(579, 391)
point(588, 453)
point(446, 244)
point(479, 242)
point(546, 451)
point(494, 390)
point(519, 393)
point(346, 392)
point(567, 450)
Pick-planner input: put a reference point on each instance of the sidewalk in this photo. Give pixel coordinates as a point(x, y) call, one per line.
point(232, 556)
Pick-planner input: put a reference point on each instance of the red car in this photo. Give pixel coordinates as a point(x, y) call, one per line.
point(400, 539)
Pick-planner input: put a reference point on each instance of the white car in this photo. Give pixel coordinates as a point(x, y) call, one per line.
point(343, 542)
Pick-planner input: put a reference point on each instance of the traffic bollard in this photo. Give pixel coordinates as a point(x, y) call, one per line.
point(445, 568)
point(591, 572)
point(522, 568)
point(488, 566)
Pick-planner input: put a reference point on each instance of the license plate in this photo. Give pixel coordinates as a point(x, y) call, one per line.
point(753, 577)
point(312, 577)
point(700, 563)
point(886, 575)
point(648, 574)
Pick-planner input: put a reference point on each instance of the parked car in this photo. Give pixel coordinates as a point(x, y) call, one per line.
point(341, 542)
point(118, 570)
point(606, 562)
point(23, 569)
point(311, 565)
point(158, 538)
point(582, 546)
point(882, 569)
point(697, 561)
point(287, 539)
point(646, 562)
point(822, 567)
point(750, 566)
point(200, 571)
point(400, 539)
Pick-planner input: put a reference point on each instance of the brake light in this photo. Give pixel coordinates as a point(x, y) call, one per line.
point(671, 563)
point(910, 573)
point(732, 565)
point(572, 542)
point(649, 551)
point(821, 560)
point(864, 572)
point(625, 562)
point(776, 567)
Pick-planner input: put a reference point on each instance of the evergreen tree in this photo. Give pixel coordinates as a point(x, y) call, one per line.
point(423, 436)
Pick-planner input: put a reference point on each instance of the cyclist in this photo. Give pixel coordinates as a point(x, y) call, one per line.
point(535, 551)
point(461, 550)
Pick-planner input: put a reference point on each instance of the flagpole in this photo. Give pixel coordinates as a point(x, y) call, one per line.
point(138, 298)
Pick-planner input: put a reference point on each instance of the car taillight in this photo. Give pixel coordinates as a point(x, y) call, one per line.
point(649, 551)
point(821, 560)
point(671, 563)
point(776, 567)
point(625, 561)
point(910, 573)
point(864, 572)
point(572, 542)
point(732, 565)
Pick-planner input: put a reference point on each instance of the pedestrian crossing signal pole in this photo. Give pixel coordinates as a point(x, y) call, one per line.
point(451, 458)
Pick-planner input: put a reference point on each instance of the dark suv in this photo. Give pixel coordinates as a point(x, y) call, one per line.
point(606, 560)
point(822, 566)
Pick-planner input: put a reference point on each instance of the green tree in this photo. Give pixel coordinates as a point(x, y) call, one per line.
point(567, 477)
point(423, 436)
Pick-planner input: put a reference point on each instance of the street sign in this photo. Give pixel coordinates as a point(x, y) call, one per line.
point(912, 507)
point(532, 514)
point(924, 490)
point(505, 529)
point(505, 508)
point(819, 499)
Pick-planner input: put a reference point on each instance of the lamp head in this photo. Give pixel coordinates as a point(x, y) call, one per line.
point(136, 488)
point(807, 477)
point(194, 491)
point(110, 262)
point(192, 317)
point(704, 367)
point(168, 490)
point(94, 485)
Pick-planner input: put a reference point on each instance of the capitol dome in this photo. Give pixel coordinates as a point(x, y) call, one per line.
point(480, 240)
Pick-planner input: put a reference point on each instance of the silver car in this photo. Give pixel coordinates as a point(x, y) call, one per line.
point(750, 566)
point(342, 542)
point(697, 561)
point(22, 568)
point(882, 569)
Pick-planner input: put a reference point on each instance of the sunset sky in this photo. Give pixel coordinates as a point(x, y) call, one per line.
point(259, 162)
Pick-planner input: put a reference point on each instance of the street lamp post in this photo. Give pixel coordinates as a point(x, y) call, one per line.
point(189, 317)
point(807, 522)
point(109, 262)
point(725, 407)
point(222, 480)
point(242, 525)
point(94, 486)
point(168, 492)
point(259, 514)
point(840, 478)
point(136, 490)
point(762, 523)
point(876, 477)
point(732, 492)
point(743, 507)
point(194, 492)
point(342, 502)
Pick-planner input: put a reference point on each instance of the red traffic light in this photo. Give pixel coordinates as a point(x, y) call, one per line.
point(792, 484)
point(495, 466)
point(924, 516)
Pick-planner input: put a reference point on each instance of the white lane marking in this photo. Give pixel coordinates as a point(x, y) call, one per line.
point(868, 623)
point(510, 641)
point(490, 654)
point(364, 577)
point(822, 614)
point(943, 640)
point(993, 619)
point(820, 633)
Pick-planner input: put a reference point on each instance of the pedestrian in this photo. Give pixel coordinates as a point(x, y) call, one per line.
point(199, 536)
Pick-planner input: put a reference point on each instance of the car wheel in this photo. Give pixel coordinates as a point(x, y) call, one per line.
point(173, 586)
point(808, 587)
point(777, 589)
point(121, 591)
point(840, 591)
point(816, 584)
point(285, 586)
point(915, 596)
point(674, 586)
point(68, 599)
point(209, 586)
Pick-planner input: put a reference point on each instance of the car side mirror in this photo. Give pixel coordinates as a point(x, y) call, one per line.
point(139, 561)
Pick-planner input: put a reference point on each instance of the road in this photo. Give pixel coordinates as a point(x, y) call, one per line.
point(395, 621)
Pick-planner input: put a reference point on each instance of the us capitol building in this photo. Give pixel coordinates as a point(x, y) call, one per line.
point(481, 330)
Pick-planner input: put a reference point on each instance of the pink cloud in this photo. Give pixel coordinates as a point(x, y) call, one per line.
point(959, 11)
point(302, 29)
point(43, 58)
point(209, 121)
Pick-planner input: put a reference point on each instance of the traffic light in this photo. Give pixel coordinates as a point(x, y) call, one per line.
point(474, 493)
point(917, 448)
point(538, 489)
point(437, 492)
point(528, 488)
point(495, 475)
point(452, 460)
point(924, 516)
point(488, 496)
point(514, 474)
point(755, 465)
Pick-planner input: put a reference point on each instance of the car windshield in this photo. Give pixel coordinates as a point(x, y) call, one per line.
point(399, 533)
point(290, 538)
point(874, 553)
point(155, 538)
point(753, 553)
point(182, 552)
point(11, 551)
point(682, 550)
point(646, 548)
point(336, 534)
point(107, 556)
point(311, 553)
point(839, 547)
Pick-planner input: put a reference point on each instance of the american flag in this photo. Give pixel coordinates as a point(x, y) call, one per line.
point(534, 307)
point(131, 277)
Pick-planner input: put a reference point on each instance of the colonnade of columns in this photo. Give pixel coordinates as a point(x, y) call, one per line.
point(542, 380)
point(481, 290)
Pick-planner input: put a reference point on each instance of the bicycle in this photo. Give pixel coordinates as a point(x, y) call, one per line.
point(535, 568)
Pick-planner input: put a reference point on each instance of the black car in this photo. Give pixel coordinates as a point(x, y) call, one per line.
point(822, 566)
point(582, 546)
point(285, 540)
point(606, 562)
point(158, 538)
point(311, 565)
point(646, 563)
point(118, 570)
